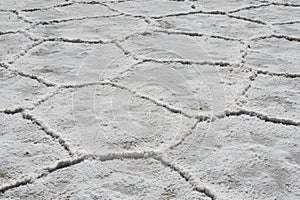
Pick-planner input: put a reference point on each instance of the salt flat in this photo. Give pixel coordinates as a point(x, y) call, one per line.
point(150, 99)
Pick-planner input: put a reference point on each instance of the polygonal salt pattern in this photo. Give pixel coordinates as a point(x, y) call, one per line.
point(95, 29)
point(275, 96)
point(25, 149)
point(74, 11)
point(217, 25)
point(17, 91)
point(168, 47)
point(74, 63)
point(242, 158)
point(102, 118)
point(275, 55)
point(194, 89)
point(116, 179)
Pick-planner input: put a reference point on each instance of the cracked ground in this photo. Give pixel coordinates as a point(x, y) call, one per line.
point(150, 99)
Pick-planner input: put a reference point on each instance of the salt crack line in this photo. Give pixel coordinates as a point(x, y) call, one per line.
point(250, 7)
point(277, 36)
point(260, 116)
point(46, 8)
point(286, 75)
point(57, 21)
point(61, 164)
point(47, 130)
point(187, 177)
point(139, 95)
point(195, 34)
point(26, 75)
point(189, 62)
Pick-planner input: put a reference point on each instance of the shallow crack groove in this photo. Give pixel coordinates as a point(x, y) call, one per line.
point(286, 75)
point(189, 132)
point(56, 21)
point(125, 14)
point(186, 176)
point(24, 52)
point(34, 77)
point(285, 4)
point(8, 32)
point(30, 76)
point(142, 96)
point(47, 131)
point(284, 23)
point(47, 8)
point(211, 13)
point(12, 111)
point(190, 13)
point(76, 40)
point(247, 19)
point(194, 34)
point(250, 7)
point(124, 155)
point(74, 161)
point(162, 104)
point(18, 183)
point(277, 36)
point(187, 62)
point(16, 12)
point(102, 158)
point(261, 116)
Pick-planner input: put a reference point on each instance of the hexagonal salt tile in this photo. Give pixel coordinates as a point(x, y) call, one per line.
point(272, 14)
point(274, 55)
point(166, 47)
point(194, 89)
point(73, 11)
point(74, 63)
point(154, 8)
point(95, 29)
point(274, 96)
point(227, 5)
point(217, 25)
point(11, 45)
point(10, 22)
point(17, 91)
point(104, 119)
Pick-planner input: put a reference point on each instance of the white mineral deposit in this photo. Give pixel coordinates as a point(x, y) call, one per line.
point(150, 99)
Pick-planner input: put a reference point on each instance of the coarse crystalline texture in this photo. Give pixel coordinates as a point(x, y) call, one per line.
point(272, 14)
point(29, 4)
point(11, 45)
point(227, 5)
point(74, 63)
point(168, 47)
point(217, 25)
point(11, 22)
point(25, 149)
point(274, 96)
point(242, 157)
point(104, 119)
point(17, 91)
point(94, 29)
point(154, 8)
point(115, 179)
point(274, 55)
point(70, 12)
point(194, 89)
